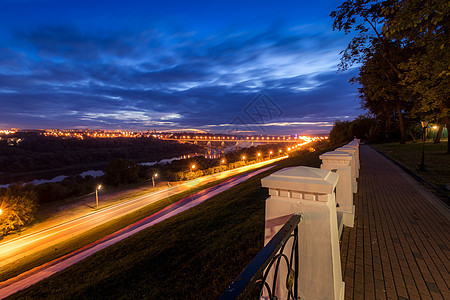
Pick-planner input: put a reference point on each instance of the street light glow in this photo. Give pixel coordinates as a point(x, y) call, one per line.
point(259, 154)
point(193, 167)
point(99, 187)
point(243, 157)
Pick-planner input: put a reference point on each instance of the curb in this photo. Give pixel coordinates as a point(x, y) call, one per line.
point(434, 189)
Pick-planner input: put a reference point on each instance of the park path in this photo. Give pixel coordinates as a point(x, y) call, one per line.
point(399, 247)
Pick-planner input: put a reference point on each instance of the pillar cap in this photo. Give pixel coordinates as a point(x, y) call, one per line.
point(346, 149)
point(336, 155)
point(302, 179)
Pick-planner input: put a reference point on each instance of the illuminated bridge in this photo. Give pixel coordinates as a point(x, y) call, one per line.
point(236, 138)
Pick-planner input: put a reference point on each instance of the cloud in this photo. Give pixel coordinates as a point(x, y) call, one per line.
point(159, 78)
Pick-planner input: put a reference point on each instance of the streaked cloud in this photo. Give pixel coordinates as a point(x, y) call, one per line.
point(169, 75)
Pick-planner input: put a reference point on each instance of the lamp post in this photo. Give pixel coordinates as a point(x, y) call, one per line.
point(270, 153)
point(153, 179)
point(96, 194)
point(422, 164)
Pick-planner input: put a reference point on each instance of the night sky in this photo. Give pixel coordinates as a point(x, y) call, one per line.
point(250, 66)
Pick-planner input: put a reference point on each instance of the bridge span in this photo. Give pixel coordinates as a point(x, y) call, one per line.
point(227, 138)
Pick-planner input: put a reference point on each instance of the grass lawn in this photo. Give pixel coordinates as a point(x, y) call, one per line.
point(194, 255)
point(437, 162)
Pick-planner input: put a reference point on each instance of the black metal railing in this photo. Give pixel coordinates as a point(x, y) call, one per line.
point(252, 282)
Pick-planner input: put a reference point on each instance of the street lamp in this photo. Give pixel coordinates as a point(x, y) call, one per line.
point(96, 193)
point(270, 153)
point(422, 164)
point(153, 179)
point(1, 211)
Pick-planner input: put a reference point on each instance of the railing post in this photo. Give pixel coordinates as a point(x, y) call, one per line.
point(354, 168)
point(355, 145)
point(309, 191)
point(341, 162)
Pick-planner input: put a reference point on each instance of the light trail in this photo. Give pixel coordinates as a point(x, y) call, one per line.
point(20, 247)
point(31, 277)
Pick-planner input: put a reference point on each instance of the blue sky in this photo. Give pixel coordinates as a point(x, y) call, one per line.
point(249, 66)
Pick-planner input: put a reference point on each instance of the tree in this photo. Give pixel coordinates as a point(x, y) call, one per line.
point(362, 17)
point(423, 26)
point(365, 17)
point(381, 92)
point(341, 132)
point(18, 206)
point(121, 171)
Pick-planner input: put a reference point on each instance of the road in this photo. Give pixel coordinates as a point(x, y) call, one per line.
point(31, 277)
point(17, 248)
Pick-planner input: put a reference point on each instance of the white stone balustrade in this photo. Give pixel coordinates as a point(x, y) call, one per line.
point(355, 171)
point(341, 162)
point(354, 144)
point(309, 191)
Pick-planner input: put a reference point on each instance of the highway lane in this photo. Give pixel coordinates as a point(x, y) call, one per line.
point(31, 277)
point(17, 248)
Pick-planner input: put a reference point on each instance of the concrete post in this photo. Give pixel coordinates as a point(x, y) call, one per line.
point(341, 162)
point(353, 169)
point(309, 191)
point(355, 161)
point(355, 146)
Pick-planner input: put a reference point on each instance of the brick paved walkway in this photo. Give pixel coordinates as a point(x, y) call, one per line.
point(400, 245)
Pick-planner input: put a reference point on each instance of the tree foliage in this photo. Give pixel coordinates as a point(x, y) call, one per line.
point(422, 26)
point(18, 206)
point(401, 46)
point(121, 171)
point(363, 127)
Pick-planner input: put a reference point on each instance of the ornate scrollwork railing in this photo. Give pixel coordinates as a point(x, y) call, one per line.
point(252, 282)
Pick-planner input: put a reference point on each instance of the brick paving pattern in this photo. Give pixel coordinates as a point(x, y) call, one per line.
point(399, 247)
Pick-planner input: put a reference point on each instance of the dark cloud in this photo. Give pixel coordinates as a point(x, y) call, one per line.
point(61, 76)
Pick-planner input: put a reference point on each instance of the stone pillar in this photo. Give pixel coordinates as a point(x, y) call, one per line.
point(355, 161)
point(341, 162)
point(309, 191)
point(354, 144)
point(352, 167)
